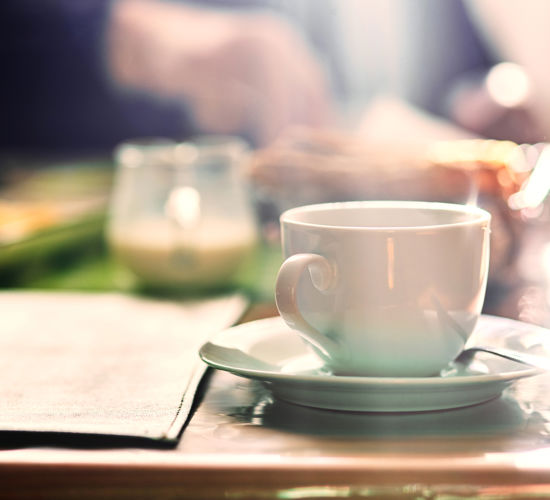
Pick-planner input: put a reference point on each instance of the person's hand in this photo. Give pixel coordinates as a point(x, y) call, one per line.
point(238, 73)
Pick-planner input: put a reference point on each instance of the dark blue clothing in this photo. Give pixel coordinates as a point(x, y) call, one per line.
point(55, 94)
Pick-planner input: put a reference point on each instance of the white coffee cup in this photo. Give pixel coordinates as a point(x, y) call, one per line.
point(392, 288)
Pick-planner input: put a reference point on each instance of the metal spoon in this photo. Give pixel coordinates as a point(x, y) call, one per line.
point(536, 361)
point(231, 355)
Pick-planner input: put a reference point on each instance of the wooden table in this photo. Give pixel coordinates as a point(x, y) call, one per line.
point(242, 443)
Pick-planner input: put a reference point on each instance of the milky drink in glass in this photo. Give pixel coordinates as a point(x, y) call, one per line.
point(180, 215)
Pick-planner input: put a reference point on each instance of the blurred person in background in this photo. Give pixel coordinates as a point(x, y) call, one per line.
point(517, 36)
point(475, 64)
point(84, 75)
point(88, 74)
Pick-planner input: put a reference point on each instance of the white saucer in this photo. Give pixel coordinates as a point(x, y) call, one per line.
point(269, 351)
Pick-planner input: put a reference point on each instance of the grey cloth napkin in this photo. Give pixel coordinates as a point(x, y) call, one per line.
point(103, 364)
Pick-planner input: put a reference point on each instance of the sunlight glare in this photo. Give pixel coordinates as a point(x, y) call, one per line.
point(508, 84)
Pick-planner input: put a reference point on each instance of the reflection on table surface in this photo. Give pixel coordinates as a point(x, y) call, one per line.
point(241, 416)
point(242, 443)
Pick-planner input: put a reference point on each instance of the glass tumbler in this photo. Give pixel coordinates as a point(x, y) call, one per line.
point(181, 216)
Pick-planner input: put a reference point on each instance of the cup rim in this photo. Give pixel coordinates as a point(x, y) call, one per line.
point(479, 215)
point(177, 155)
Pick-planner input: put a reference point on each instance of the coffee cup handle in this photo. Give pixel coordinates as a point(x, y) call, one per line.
point(322, 276)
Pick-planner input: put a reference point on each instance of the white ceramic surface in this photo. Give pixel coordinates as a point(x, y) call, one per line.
point(293, 373)
point(384, 288)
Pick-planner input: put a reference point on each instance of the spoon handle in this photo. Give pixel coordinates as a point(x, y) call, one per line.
point(536, 361)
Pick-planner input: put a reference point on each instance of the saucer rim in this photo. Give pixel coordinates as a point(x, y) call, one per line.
point(354, 380)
